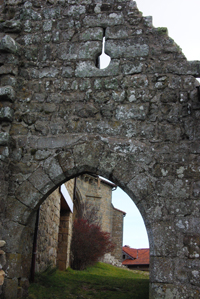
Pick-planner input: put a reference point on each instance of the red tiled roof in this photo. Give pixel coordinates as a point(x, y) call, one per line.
point(142, 256)
point(132, 252)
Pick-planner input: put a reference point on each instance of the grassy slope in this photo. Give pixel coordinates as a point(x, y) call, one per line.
point(100, 281)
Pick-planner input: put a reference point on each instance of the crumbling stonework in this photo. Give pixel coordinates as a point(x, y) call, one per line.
point(135, 122)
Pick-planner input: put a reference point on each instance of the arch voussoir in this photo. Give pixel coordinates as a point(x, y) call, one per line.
point(88, 154)
point(28, 194)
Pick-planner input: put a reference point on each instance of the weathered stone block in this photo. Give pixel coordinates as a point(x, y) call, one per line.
point(48, 73)
point(6, 114)
point(165, 291)
point(4, 138)
point(42, 155)
point(8, 69)
point(196, 189)
point(133, 111)
point(130, 69)
point(42, 127)
point(29, 14)
point(34, 195)
point(117, 32)
point(67, 72)
point(51, 12)
point(16, 210)
point(7, 93)
point(18, 129)
point(47, 25)
point(87, 50)
point(87, 69)
point(2, 243)
point(192, 243)
point(92, 34)
point(166, 241)
point(55, 172)
point(142, 185)
point(8, 80)
point(41, 181)
point(12, 26)
point(86, 110)
point(127, 48)
point(75, 10)
point(175, 189)
point(13, 2)
point(66, 161)
point(162, 269)
point(104, 21)
point(94, 149)
point(8, 44)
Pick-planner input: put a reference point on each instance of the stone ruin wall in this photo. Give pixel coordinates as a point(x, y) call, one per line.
point(135, 122)
point(47, 239)
point(117, 233)
point(99, 194)
point(65, 232)
point(54, 232)
point(55, 225)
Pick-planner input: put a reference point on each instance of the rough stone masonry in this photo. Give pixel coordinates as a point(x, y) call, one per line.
point(135, 122)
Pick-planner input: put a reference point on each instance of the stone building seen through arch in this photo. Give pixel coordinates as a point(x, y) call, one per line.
point(57, 214)
point(135, 123)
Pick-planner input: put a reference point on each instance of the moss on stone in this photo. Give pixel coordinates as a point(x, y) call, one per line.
point(162, 30)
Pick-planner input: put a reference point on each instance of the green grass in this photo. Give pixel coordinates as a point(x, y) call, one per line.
point(100, 281)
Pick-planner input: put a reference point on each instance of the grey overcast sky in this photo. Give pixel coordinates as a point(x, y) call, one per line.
point(181, 17)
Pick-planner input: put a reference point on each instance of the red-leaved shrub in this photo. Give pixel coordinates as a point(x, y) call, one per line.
point(89, 244)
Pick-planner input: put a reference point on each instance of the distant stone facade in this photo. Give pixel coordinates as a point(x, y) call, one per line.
point(136, 123)
point(98, 192)
point(48, 230)
point(55, 222)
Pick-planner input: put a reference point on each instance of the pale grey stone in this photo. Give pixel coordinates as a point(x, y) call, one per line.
point(92, 34)
point(47, 25)
point(48, 73)
point(6, 114)
point(12, 26)
point(134, 111)
point(4, 138)
point(8, 44)
point(117, 49)
point(2, 243)
point(88, 69)
point(130, 69)
point(104, 21)
point(7, 93)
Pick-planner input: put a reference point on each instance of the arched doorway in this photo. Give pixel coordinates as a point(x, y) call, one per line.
point(135, 123)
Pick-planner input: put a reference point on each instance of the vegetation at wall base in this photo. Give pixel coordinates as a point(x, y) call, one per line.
point(97, 282)
point(89, 244)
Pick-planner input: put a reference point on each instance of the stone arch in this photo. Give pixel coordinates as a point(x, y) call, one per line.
point(60, 174)
point(135, 122)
